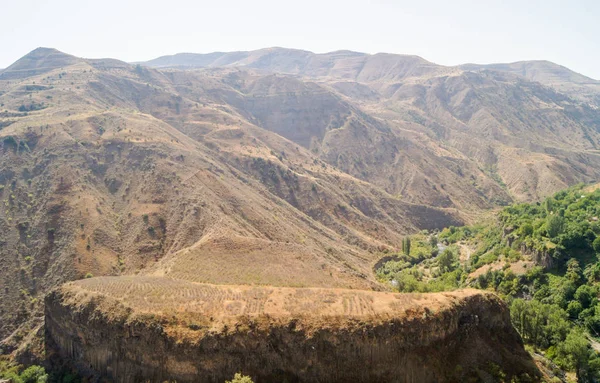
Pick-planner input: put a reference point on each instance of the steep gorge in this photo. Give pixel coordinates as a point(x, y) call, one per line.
point(272, 168)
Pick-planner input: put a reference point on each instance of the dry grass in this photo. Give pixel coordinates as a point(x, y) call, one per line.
point(592, 188)
point(167, 296)
point(518, 268)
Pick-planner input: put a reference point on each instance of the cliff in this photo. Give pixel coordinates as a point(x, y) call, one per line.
point(133, 329)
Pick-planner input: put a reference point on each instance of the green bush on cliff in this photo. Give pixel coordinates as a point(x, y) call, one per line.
point(239, 378)
point(34, 374)
point(19, 374)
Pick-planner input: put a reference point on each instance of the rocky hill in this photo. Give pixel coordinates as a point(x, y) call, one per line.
point(109, 169)
point(550, 74)
point(201, 333)
point(275, 167)
point(518, 131)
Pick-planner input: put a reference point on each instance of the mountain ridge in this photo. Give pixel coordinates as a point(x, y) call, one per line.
point(248, 175)
point(543, 71)
point(499, 66)
point(38, 61)
point(110, 169)
point(524, 64)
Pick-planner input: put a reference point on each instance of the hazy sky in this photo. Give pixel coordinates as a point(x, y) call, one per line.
point(445, 32)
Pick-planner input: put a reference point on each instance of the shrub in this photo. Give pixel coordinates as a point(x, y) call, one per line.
point(239, 378)
point(446, 260)
point(555, 225)
point(527, 229)
point(596, 244)
point(34, 374)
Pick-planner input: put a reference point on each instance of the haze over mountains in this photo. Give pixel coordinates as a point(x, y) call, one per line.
point(357, 66)
point(278, 166)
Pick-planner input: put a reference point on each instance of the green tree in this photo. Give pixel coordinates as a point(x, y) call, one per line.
point(586, 295)
point(433, 241)
point(406, 245)
point(574, 273)
point(518, 315)
point(34, 374)
point(596, 244)
point(574, 354)
point(446, 261)
point(554, 225)
point(574, 308)
point(539, 324)
point(406, 282)
point(527, 229)
point(592, 272)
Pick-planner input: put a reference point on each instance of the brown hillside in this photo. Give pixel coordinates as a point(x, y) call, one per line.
point(511, 138)
point(550, 74)
point(109, 169)
point(274, 167)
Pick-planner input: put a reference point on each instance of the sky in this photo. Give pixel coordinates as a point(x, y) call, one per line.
point(445, 32)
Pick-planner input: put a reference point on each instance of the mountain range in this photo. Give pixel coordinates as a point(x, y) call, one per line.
point(276, 167)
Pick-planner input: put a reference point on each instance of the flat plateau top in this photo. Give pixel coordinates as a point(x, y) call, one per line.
point(159, 295)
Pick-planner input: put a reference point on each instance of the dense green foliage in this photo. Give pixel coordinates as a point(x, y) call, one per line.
point(34, 374)
point(426, 269)
point(19, 374)
point(543, 258)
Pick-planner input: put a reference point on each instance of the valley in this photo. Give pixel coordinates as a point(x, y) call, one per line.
point(271, 170)
point(542, 258)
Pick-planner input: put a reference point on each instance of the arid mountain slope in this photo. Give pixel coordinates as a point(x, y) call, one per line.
point(516, 137)
point(39, 61)
point(275, 167)
point(109, 169)
point(382, 67)
point(550, 74)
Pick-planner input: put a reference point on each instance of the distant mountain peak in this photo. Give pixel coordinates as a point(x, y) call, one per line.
point(45, 51)
point(38, 61)
point(346, 52)
point(543, 71)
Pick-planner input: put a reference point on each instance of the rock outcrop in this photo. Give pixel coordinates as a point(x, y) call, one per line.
point(138, 329)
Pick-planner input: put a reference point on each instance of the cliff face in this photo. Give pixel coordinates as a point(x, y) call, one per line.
point(343, 335)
